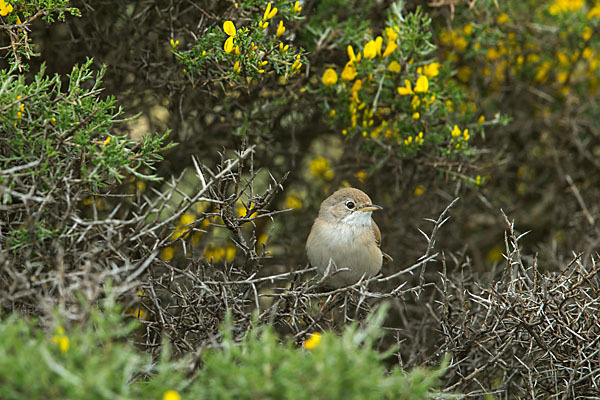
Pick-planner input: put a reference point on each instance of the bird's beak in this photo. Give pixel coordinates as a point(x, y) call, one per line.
point(370, 207)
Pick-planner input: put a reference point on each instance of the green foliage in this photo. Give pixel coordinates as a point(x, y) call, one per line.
point(94, 360)
point(237, 54)
point(54, 134)
point(51, 128)
point(345, 367)
point(333, 24)
point(90, 360)
point(396, 95)
point(21, 13)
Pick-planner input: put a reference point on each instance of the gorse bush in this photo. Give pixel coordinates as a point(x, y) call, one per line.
point(395, 94)
point(247, 52)
point(450, 109)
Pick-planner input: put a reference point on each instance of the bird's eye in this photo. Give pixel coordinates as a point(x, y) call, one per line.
point(350, 205)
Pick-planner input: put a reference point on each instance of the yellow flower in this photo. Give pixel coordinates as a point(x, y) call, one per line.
point(280, 29)
point(107, 141)
point(293, 200)
point(171, 395)
point(422, 85)
point(174, 43)
point(416, 115)
point(464, 73)
point(230, 252)
point(228, 46)
point(61, 339)
point(269, 13)
point(356, 86)
point(394, 66)
point(460, 43)
point(419, 138)
point(263, 24)
point(312, 341)
point(407, 89)
point(329, 77)
point(378, 44)
point(502, 18)
point(370, 50)
point(229, 28)
point(361, 175)
point(187, 219)
point(391, 34)
point(5, 8)
point(236, 67)
point(419, 190)
point(415, 102)
point(495, 255)
point(563, 6)
point(213, 253)
point(349, 71)
point(391, 46)
point(455, 131)
point(432, 70)
point(481, 119)
point(320, 167)
point(594, 12)
point(351, 56)
point(167, 254)
point(587, 33)
point(297, 64)
point(297, 7)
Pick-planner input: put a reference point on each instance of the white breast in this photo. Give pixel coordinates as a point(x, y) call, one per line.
point(349, 245)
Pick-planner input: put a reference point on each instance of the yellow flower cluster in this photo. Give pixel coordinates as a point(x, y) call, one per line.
point(293, 200)
point(371, 50)
point(418, 139)
point(461, 136)
point(422, 86)
point(563, 6)
point(230, 45)
point(182, 227)
point(514, 55)
point(218, 253)
point(270, 12)
point(457, 38)
point(61, 339)
point(280, 29)
point(297, 64)
point(5, 8)
point(319, 167)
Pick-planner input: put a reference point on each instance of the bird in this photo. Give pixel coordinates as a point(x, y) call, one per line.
point(344, 241)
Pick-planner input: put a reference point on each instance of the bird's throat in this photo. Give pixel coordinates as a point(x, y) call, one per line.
point(358, 218)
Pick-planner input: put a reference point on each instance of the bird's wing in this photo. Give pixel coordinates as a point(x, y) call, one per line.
point(377, 233)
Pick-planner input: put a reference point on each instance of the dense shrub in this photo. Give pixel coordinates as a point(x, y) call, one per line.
point(274, 105)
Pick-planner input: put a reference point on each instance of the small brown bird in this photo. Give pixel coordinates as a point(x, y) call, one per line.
point(344, 236)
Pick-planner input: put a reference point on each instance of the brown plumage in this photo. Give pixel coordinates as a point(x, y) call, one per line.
point(344, 236)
